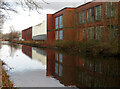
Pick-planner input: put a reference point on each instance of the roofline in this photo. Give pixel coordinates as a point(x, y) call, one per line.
point(64, 9)
point(27, 28)
point(86, 3)
point(74, 7)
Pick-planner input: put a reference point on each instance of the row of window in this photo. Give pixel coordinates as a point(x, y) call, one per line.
point(59, 22)
point(110, 12)
point(59, 35)
point(113, 33)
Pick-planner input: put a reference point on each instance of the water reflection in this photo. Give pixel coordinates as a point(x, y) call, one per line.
point(68, 69)
point(83, 72)
point(39, 55)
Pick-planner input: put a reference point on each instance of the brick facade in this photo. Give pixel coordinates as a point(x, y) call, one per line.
point(27, 34)
point(96, 25)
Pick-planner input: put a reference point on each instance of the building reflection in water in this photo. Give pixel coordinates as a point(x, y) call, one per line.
point(83, 72)
point(35, 53)
point(77, 71)
point(39, 55)
point(27, 50)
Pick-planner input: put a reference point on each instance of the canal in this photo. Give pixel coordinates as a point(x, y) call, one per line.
point(34, 67)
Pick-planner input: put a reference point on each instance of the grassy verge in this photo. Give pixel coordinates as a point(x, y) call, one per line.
point(93, 48)
point(5, 80)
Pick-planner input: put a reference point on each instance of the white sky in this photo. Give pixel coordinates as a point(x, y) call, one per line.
point(25, 19)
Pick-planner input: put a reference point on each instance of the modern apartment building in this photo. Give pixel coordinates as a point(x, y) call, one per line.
point(90, 21)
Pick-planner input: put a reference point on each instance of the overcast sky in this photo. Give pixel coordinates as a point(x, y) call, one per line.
point(24, 19)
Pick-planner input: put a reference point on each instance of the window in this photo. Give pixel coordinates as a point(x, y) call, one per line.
point(60, 58)
point(60, 70)
point(82, 17)
point(100, 33)
point(56, 23)
point(113, 32)
point(99, 12)
point(61, 35)
point(90, 15)
point(56, 68)
point(91, 33)
point(84, 34)
point(110, 9)
point(56, 35)
point(61, 21)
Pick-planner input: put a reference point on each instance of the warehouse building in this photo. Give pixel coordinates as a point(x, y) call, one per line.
point(90, 21)
point(39, 32)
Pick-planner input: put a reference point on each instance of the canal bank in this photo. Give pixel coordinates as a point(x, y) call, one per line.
point(4, 78)
point(93, 48)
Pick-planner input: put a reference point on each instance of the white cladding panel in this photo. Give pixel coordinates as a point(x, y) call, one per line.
point(39, 29)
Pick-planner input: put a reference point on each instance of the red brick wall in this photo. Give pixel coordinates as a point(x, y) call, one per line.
point(27, 34)
point(73, 31)
point(103, 22)
point(50, 27)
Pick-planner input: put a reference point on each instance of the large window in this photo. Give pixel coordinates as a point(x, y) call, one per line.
point(91, 33)
point(82, 17)
point(113, 32)
point(56, 23)
point(99, 12)
point(100, 33)
point(61, 35)
point(61, 21)
point(110, 9)
point(56, 35)
point(90, 15)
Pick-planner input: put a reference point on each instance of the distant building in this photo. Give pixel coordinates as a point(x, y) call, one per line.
point(90, 21)
point(27, 34)
point(39, 32)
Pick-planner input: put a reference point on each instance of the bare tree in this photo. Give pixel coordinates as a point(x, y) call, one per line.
point(25, 4)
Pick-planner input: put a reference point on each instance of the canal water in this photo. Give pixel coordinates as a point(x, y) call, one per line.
point(34, 67)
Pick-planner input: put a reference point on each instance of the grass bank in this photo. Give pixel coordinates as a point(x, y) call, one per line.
point(94, 48)
point(5, 80)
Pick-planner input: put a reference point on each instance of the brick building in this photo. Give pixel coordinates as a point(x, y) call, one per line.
point(27, 34)
point(90, 21)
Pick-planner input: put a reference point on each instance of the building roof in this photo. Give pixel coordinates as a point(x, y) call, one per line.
point(64, 9)
point(74, 7)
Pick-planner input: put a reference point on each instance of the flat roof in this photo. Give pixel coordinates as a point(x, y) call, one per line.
point(74, 7)
point(64, 9)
